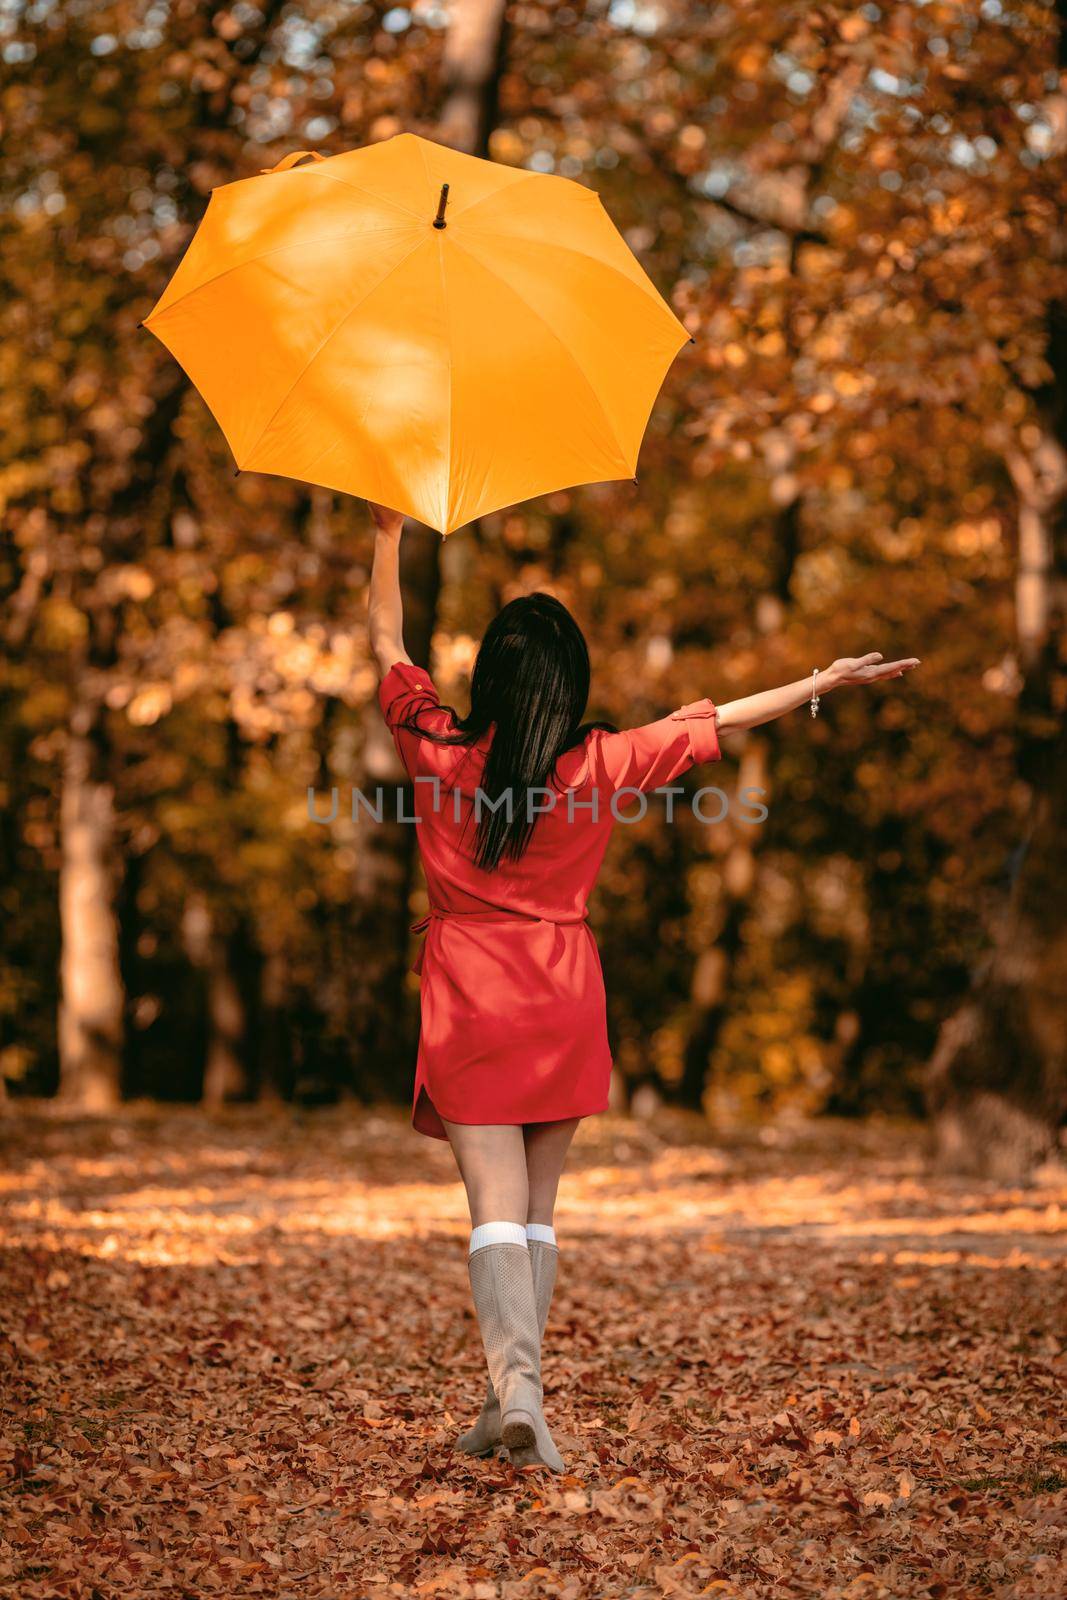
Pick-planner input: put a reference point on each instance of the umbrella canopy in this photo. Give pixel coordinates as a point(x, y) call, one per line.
point(353, 323)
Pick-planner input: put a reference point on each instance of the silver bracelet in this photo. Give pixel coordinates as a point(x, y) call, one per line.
point(814, 695)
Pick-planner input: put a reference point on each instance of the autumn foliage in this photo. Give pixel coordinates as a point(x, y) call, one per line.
point(857, 210)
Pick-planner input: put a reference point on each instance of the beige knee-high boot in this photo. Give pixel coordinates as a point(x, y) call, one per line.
point(502, 1284)
point(483, 1438)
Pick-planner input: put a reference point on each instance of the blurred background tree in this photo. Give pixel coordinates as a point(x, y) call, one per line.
point(858, 212)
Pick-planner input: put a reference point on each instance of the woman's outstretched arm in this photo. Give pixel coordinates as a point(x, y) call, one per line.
point(386, 608)
point(738, 715)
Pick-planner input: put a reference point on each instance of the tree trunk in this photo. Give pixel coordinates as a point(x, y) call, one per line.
point(472, 64)
point(998, 1079)
point(92, 1001)
point(227, 1075)
point(276, 1066)
point(219, 955)
point(714, 971)
point(997, 1085)
point(715, 968)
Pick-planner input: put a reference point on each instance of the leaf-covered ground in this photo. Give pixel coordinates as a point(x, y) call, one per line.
point(236, 1354)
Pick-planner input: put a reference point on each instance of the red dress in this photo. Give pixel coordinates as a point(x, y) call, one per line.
point(514, 1023)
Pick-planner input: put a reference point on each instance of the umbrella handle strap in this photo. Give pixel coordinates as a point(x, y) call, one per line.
point(291, 160)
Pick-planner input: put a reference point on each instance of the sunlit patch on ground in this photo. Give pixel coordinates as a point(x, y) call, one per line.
point(237, 1353)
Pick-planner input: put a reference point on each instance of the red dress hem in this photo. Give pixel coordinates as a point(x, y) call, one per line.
point(431, 1117)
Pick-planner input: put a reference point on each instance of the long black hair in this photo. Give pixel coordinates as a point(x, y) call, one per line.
point(530, 685)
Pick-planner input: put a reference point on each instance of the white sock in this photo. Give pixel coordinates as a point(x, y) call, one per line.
point(496, 1233)
point(543, 1232)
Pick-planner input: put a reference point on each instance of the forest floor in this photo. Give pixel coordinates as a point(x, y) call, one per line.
point(236, 1353)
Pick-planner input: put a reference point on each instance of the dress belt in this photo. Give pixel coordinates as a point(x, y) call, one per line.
point(435, 913)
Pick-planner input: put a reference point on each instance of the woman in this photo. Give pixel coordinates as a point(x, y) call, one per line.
point(514, 806)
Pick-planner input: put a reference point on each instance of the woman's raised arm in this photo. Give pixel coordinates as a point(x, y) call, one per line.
point(386, 608)
point(737, 715)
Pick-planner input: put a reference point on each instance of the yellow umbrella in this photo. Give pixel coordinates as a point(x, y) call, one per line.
point(434, 332)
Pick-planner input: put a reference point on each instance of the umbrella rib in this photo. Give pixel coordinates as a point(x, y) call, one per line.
point(322, 345)
point(575, 363)
point(294, 244)
point(648, 288)
point(371, 397)
point(472, 205)
point(448, 347)
point(448, 344)
point(336, 178)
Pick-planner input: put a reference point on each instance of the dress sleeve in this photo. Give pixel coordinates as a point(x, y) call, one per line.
point(411, 708)
point(406, 694)
point(659, 752)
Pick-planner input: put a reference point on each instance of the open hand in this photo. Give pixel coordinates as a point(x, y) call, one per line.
point(391, 523)
point(866, 669)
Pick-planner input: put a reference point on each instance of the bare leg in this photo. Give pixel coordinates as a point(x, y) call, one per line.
point(492, 1163)
point(547, 1144)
